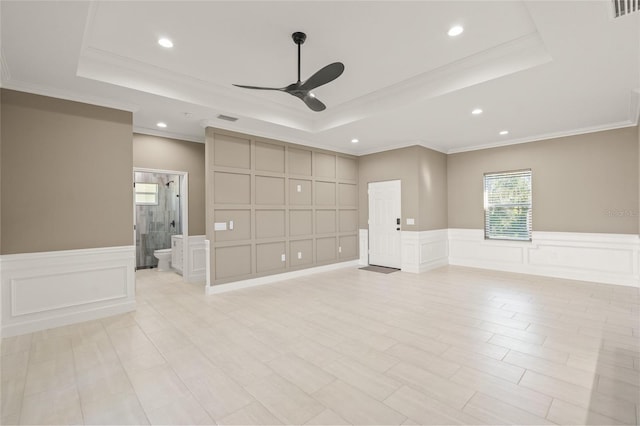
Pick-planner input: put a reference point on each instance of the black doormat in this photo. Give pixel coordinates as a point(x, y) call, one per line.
point(381, 269)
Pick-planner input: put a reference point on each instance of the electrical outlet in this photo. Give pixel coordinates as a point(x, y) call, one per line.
point(299, 255)
point(231, 225)
point(299, 188)
point(339, 249)
point(283, 258)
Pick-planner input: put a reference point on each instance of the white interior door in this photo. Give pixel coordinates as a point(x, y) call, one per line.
point(384, 223)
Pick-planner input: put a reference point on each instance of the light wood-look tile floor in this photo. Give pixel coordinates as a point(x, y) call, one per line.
point(451, 346)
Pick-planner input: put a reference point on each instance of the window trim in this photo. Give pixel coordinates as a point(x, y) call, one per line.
point(487, 237)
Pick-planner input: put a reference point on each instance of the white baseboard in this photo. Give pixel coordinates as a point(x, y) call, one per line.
point(424, 250)
point(52, 289)
point(197, 259)
point(605, 258)
point(236, 285)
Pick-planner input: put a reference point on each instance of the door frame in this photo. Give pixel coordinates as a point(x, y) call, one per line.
point(369, 219)
point(184, 211)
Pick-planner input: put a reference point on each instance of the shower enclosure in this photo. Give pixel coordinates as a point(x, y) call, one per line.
point(157, 199)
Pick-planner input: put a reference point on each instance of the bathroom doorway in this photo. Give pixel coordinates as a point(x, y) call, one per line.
point(160, 215)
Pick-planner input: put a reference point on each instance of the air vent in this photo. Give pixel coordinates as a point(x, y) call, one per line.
point(625, 7)
point(227, 118)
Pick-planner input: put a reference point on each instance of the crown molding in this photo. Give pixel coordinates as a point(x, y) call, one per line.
point(69, 95)
point(222, 125)
point(168, 135)
point(400, 145)
point(546, 136)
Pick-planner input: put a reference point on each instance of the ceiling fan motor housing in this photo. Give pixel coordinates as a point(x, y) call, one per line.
point(298, 37)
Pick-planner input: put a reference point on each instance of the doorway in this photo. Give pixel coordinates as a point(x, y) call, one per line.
point(160, 214)
point(384, 223)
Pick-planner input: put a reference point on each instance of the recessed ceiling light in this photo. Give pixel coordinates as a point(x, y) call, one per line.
point(504, 132)
point(476, 111)
point(161, 124)
point(456, 30)
point(354, 140)
point(165, 42)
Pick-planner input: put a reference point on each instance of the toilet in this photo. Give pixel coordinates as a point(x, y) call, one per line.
point(163, 256)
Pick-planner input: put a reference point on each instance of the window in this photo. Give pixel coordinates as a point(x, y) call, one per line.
point(146, 194)
point(507, 205)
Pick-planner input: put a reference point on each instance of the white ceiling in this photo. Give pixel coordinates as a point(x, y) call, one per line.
point(537, 68)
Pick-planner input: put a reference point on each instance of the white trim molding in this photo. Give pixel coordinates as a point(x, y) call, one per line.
point(363, 242)
point(52, 289)
point(424, 250)
point(197, 259)
point(604, 258)
point(236, 285)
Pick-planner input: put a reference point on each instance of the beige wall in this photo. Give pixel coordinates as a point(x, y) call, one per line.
point(283, 199)
point(66, 175)
point(154, 152)
point(583, 183)
point(433, 190)
point(424, 185)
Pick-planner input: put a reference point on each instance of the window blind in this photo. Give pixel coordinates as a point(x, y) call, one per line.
point(507, 205)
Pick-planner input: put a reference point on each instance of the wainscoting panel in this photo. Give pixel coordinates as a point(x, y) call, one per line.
point(197, 259)
point(606, 258)
point(51, 289)
point(424, 250)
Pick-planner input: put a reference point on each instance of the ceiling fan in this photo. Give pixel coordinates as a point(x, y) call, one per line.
point(303, 89)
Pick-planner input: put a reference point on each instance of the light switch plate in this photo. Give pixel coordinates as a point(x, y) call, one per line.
point(299, 255)
point(411, 221)
point(220, 226)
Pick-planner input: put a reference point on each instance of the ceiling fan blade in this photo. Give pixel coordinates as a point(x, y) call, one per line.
point(324, 76)
point(313, 103)
point(259, 88)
